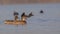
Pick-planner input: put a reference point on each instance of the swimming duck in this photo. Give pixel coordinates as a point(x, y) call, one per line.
point(16, 21)
point(41, 11)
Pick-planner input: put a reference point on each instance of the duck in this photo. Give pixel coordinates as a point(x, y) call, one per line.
point(30, 15)
point(22, 21)
point(41, 11)
point(16, 21)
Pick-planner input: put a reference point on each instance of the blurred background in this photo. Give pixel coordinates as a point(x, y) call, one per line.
point(27, 1)
point(47, 22)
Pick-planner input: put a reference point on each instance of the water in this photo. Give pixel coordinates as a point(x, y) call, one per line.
point(46, 23)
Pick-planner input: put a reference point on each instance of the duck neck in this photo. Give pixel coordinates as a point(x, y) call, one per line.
point(23, 18)
point(15, 18)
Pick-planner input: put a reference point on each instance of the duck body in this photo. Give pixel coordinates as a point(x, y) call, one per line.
point(16, 21)
point(41, 11)
point(12, 22)
point(20, 21)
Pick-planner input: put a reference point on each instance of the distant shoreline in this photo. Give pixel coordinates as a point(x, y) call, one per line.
point(27, 1)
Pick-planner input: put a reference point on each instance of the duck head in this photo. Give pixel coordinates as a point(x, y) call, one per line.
point(30, 14)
